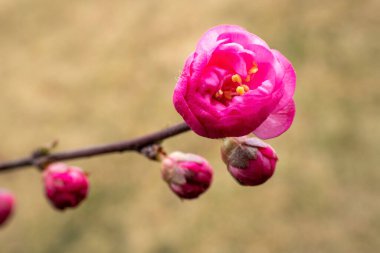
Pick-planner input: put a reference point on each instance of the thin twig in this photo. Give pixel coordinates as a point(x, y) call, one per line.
point(129, 145)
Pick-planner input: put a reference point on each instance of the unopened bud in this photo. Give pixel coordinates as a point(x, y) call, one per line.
point(7, 202)
point(65, 186)
point(187, 175)
point(249, 160)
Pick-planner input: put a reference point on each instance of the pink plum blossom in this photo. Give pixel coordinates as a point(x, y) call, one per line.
point(6, 205)
point(234, 84)
point(187, 175)
point(249, 160)
point(65, 186)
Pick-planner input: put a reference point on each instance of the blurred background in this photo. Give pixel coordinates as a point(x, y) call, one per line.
point(93, 72)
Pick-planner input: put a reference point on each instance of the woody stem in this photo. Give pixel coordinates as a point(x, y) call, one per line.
point(136, 144)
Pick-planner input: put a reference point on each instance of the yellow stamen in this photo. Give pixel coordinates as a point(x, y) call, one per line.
point(246, 87)
point(240, 90)
point(219, 93)
point(228, 95)
point(254, 69)
point(248, 78)
point(236, 78)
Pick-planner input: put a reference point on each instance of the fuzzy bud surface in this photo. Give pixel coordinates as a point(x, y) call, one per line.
point(7, 202)
point(65, 186)
point(249, 160)
point(187, 175)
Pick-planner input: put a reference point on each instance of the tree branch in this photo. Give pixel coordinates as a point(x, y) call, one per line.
point(129, 145)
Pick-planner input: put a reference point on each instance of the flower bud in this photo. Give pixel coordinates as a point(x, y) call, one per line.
point(187, 175)
point(249, 160)
point(65, 186)
point(6, 205)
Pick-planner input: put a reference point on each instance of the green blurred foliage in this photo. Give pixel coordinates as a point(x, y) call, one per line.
point(90, 72)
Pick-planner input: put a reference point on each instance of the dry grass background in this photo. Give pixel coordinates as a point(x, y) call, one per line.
point(90, 72)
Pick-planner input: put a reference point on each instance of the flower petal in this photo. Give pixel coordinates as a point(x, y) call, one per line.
point(278, 122)
point(288, 81)
point(229, 57)
point(228, 33)
point(179, 97)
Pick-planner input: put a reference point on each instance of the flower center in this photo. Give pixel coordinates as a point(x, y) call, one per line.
point(235, 86)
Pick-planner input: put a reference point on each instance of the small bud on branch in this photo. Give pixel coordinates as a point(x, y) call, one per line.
point(136, 144)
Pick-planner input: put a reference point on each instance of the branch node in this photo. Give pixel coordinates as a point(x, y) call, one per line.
point(41, 156)
point(146, 145)
point(153, 152)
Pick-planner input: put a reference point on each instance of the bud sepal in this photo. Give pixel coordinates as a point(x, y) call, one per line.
point(187, 175)
point(249, 160)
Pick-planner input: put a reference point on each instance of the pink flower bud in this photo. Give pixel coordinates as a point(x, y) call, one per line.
point(6, 205)
point(249, 160)
point(65, 186)
point(187, 175)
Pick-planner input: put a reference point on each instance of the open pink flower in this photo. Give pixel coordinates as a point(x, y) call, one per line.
point(187, 175)
point(234, 84)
